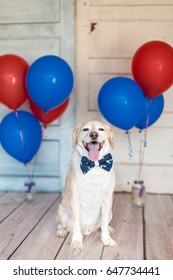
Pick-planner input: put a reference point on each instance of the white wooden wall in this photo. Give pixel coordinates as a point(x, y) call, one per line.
point(108, 34)
point(30, 29)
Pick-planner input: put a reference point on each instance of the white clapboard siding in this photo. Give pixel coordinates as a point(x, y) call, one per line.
point(44, 162)
point(32, 11)
point(31, 49)
point(157, 178)
point(109, 32)
point(153, 150)
point(132, 13)
point(105, 44)
point(31, 30)
point(131, 2)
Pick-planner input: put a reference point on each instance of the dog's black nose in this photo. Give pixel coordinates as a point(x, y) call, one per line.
point(94, 135)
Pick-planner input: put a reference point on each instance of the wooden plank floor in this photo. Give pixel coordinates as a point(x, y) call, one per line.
point(27, 230)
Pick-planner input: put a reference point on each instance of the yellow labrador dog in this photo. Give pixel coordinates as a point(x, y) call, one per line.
point(87, 201)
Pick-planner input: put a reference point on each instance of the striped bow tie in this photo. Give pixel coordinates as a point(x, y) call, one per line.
point(105, 163)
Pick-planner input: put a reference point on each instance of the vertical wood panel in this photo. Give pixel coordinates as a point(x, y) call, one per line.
point(67, 51)
point(82, 50)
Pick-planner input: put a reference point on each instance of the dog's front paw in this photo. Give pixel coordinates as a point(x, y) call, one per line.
point(77, 244)
point(109, 242)
point(61, 232)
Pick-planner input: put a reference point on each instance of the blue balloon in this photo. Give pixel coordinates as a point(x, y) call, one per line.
point(21, 135)
point(152, 111)
point(121, 102)
point(49, 82)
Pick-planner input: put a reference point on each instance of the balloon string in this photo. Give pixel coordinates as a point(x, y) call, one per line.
point(140, 154)
point(147, 124)
point(142, 151)
point(130, 149)
point(44, 136)
point(34, 165)
point(31, 176)
point(30, 182)
point(141, 162)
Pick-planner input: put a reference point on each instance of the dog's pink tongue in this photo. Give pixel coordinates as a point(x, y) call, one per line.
point(93, 151)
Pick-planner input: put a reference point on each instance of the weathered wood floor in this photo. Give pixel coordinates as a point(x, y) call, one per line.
point(27, 229)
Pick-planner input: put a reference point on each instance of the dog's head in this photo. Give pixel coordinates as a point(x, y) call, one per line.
point(93, 139)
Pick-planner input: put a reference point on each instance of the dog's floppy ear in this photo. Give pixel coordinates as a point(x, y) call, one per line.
point(111, 136)
point(75, 135)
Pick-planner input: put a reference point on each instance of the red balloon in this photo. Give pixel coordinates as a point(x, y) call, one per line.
point(49, 116)
point(13, 70)
point(152, 67)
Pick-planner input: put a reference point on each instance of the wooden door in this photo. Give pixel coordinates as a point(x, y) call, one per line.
point(31, 29)
point(108, 34)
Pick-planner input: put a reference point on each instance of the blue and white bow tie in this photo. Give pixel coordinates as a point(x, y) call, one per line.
point(106, 163)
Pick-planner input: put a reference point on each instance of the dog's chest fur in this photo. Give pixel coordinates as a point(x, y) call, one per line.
point(92, 188)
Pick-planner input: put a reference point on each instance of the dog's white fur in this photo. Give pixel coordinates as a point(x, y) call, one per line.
point(87, 201)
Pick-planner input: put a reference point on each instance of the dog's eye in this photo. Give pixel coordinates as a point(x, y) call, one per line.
point(85, 129)
point(101, 129)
